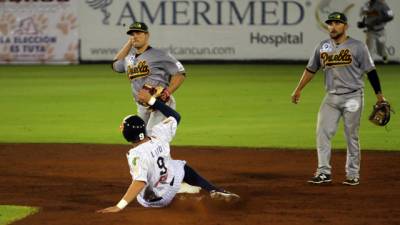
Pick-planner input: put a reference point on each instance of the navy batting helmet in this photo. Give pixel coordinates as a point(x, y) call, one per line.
point(133, 128)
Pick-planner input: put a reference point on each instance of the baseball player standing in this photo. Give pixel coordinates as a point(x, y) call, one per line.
point(344, 61)
point(156, 178)
point(148, 67)
point(375, 14)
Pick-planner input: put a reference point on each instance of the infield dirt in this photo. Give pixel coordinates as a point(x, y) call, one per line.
point(69, 182)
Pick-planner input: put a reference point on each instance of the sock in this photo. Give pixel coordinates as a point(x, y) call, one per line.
point(193, 178)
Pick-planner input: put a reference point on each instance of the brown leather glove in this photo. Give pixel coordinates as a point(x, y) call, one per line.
point(380, 113)
point(158, 92)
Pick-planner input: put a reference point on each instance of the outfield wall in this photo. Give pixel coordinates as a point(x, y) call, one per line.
point(223, 29)
point(189, 29)
point(39, 31)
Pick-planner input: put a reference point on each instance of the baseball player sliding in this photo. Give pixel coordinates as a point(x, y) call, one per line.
point(344, 61)
point(148, 67)
point(156, 178)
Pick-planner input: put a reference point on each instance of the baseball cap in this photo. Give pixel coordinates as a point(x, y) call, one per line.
point(337, 16)
point(137, 26)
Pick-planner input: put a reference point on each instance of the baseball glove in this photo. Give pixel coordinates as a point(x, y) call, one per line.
point(380, 113)
point(158, 92)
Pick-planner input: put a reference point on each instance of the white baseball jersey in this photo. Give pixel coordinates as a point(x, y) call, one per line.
point(151, 162)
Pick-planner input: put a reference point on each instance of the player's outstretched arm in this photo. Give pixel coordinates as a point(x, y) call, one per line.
point(144, 96)
point(134, 189)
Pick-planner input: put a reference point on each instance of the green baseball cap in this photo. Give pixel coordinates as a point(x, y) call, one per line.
point(337, 16)
point(137, 26)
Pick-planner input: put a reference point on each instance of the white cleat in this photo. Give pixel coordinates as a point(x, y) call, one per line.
point(224, 195)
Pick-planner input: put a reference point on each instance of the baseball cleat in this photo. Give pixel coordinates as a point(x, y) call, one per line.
point(320, 179)
point(352, 182)
point(224, 195)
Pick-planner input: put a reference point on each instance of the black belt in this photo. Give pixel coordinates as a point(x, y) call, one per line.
point(345, 92)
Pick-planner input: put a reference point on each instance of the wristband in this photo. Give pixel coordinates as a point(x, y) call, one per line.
point(122, 204)
point(151, 101)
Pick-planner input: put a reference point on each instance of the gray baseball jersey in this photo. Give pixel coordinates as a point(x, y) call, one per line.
point(375, 14)
point(154, 67)
point(343, 65)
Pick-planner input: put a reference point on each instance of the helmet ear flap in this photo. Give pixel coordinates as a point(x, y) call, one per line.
point(133, 128)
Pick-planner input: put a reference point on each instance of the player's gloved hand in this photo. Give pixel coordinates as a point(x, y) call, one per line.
point(153, 91)
point(165, 95)
point(380, 114)
point(361, 24)
point(144, 96)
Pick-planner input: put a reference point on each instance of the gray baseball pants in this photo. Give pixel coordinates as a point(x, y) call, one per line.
point(333, 107)
point(151, 118)
point(376, 42)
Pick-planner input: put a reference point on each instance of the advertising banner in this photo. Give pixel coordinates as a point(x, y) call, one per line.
point(39, 31)
point(222, 29)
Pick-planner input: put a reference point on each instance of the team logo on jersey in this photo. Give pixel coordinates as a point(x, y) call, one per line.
point(134, 161)
point(326, 47)
point(343, 58)
point(141, 69)
point(135, 166)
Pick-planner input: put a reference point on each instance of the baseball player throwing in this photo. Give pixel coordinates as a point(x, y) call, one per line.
point(344, 61)
point(148, 67)
point(157, 177)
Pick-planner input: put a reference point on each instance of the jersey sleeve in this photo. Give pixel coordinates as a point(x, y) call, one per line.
point(139, 168)
point(387, 13)
point(314, 63)
point(119, 66)
point(172, 65)
point(166, 129)
point(366, 62)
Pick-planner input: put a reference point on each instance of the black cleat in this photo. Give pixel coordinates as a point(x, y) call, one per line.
point(352, 182)
point(320, 179)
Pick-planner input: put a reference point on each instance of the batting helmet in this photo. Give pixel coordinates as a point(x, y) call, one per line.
point(133, 128)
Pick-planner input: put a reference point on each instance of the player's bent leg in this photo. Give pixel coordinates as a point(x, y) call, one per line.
point(193, 178)
point(381, 46)
point(370, 41)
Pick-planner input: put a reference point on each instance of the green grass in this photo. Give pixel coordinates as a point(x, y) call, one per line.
point(221, 105)
point(11, 213)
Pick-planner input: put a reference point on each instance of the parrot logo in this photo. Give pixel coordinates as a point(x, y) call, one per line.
point(102, 5)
